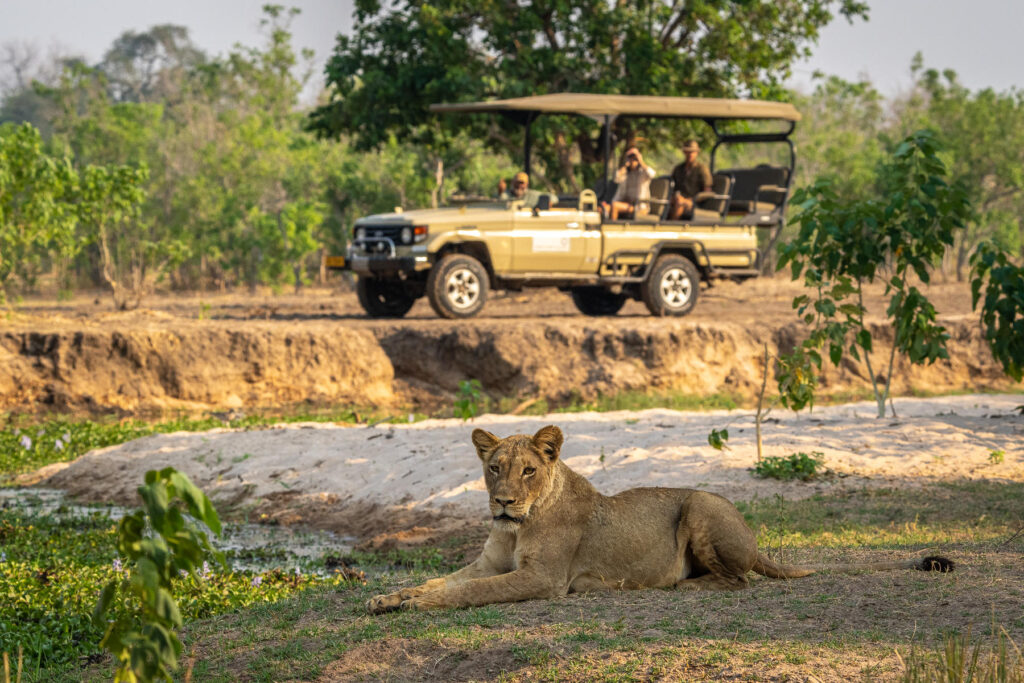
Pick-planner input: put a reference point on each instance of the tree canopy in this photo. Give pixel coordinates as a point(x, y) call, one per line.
point(402, 57)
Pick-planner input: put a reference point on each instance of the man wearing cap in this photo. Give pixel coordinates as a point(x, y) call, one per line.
point(634, 188)
point(690, 179)
point(520, 191)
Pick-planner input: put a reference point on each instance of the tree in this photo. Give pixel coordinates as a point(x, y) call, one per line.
point(109, 207)
point(844, 244)
point(1002, 312)
point(983, 135)
point(36, 219)
point(402, 57)
point(150, 66)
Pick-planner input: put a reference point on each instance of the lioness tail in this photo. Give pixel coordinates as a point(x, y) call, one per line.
point(773, 570)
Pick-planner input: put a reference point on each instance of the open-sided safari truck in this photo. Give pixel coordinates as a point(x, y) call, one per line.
point(456, 255)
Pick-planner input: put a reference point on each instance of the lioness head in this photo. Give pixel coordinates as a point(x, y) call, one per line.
point(518, 471)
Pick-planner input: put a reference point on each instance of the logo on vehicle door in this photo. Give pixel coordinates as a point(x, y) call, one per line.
point(550, 243)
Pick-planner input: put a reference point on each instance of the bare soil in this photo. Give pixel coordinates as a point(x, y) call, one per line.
point(217, 351)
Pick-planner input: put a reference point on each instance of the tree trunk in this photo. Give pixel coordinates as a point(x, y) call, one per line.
point(439, 182)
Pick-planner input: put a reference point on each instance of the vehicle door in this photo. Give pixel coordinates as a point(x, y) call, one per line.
point(554, 241)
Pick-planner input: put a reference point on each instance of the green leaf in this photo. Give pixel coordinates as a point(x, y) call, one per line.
point(864, 340)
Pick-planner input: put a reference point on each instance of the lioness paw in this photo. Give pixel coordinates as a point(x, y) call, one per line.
point(379, 604)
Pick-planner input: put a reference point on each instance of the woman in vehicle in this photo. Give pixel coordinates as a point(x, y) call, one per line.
point(634, 188)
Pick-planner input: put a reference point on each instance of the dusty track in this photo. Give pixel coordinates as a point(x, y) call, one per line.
point(199, 353)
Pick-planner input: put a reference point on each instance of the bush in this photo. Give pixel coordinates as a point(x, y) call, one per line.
point(802, 466)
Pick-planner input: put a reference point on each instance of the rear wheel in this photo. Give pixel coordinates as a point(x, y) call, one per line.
point(597, 301)
point(457, 286)
point(384, 298)
point(672, 286)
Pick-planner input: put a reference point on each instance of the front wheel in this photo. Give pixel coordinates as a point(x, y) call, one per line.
point(672, 286)
point(597, 301)
point(384, 298)
point(457, 286)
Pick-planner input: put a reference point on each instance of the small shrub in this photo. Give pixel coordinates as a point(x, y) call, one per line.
point(468, 400)
point(802, 466)
point(996, 457)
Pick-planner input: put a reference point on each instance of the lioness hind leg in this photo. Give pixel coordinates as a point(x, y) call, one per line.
point(721, 546)
point(715, 582)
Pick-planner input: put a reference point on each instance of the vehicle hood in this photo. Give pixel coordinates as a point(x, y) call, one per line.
point(442, 215)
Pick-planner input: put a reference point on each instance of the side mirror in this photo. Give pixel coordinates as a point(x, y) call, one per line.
point(543, 203)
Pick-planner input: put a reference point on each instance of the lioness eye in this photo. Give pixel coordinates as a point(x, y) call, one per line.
point(528, 471)
point(494, 468)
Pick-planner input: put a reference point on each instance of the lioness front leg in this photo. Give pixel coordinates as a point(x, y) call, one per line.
point(522, 584)
point(489, 563)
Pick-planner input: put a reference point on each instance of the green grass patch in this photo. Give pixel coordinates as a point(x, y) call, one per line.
point(52, 568)
point(955, 512)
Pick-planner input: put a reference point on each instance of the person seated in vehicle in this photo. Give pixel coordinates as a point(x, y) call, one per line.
point(634, 188)
point(520, 191)
point(690, 178)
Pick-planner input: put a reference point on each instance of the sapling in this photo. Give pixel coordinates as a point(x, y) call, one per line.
point(846, 244)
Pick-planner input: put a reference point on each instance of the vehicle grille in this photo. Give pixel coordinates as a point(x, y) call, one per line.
point(377, 237)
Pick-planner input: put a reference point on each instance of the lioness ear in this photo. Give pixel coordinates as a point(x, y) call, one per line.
point(484, 442)
point(548, 441)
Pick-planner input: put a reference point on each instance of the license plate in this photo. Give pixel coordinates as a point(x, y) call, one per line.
point(335, 261)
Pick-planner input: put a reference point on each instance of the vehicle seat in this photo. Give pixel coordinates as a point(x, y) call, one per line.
point(760, 190)
point(661, 190)
point(717, 201)
point(605, 190)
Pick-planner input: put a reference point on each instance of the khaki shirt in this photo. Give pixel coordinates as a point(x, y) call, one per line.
point(691, 181)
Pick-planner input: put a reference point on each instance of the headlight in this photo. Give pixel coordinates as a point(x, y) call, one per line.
point(360, 233)
point(406, 235)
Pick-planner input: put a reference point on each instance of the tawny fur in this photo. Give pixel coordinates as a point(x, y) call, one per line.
point(553, 534)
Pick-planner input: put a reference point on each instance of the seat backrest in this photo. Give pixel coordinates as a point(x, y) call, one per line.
point(721, 183)
point(748, 180)
point(660, 187)
point(605, 190)
point(721, 187)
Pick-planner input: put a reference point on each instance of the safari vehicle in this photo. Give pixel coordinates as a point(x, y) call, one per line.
point(456, 255)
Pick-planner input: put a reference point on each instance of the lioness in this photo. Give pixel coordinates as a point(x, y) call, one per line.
point(553, 534)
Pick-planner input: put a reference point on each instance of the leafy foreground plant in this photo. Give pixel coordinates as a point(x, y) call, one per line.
point(958, 662)
point(802, 466)
point(161, 544)
point(845, 244)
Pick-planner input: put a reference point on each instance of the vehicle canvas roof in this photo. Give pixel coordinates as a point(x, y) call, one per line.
point(595, 105)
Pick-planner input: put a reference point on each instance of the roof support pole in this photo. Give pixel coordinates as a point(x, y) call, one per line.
point(606, 138)
point(528, 141)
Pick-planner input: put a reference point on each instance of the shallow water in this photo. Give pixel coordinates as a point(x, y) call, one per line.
point(247, 546)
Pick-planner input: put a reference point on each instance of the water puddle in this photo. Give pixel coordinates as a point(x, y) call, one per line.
point(247, 546)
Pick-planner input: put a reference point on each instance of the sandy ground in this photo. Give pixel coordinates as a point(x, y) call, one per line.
point(365, 481)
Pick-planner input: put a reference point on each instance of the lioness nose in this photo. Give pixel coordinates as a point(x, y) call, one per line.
point(504, 501)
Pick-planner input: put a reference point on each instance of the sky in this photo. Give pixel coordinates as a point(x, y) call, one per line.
point(978, 38)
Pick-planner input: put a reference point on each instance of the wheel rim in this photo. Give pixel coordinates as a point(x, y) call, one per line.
point(462, 288)
point(676, 288)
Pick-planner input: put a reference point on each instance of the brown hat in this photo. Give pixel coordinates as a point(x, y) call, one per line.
point(691, 146)
point(521, 177)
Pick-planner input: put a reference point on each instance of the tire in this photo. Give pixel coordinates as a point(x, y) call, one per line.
point(457, 286)
point(384, 298)
point(597, 301)
point(672, 287)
